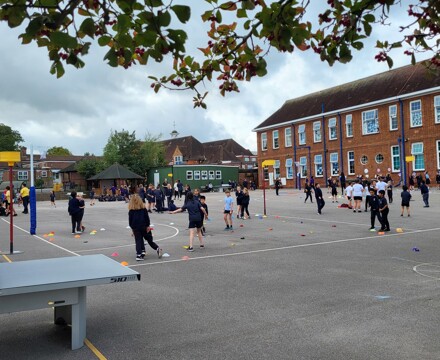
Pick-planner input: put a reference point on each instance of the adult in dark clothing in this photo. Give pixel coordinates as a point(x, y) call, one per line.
point(74, 209)
point(425, 193)
point(342, 180)
point(319, 198)
point(373, 201)
point(195, 215)
point(139, 222)
point(277, 186)
point(383, 210)
point(308, 192)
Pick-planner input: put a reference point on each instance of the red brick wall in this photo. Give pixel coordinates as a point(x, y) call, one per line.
point(369, 145)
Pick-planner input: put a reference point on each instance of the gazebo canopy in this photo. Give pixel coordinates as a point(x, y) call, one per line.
point(115, 172)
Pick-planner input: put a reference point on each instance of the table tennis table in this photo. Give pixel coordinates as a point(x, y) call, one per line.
point(59, 283)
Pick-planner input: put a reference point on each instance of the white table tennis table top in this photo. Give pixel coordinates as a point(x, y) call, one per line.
point(65, 272)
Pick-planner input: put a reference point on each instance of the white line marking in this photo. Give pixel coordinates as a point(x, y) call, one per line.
point(286, 247)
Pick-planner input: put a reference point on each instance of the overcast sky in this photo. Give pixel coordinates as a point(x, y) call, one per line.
point(79, 110)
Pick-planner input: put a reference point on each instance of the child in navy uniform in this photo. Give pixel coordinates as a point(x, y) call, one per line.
point(390, 191)
point(334, 187)
point(384, 210)
point(406, 198)
point(373, 201)
point(202, 200)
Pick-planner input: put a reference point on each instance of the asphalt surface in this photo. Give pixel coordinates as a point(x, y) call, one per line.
point(292, 285)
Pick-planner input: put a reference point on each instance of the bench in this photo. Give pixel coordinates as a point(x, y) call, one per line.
point(59, 283)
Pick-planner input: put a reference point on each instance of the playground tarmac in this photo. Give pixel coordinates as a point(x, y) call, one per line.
point(291, 285)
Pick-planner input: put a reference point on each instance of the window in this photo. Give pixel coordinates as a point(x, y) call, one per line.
point(332, 129)
point(218, 174)
point(275, 139)
point(276, 169)
point(334, 164)
point(395, 158)
point(288, 137)
point(392, 111)
point(317, 131)
point(364, 159)
point(302, 134)
point(211, 175)
point(196, 174)
point(437, 109)
point(349, 125)
point(178, 160)
point(43, 173)
point(379, 158)
point(246, 159)
point(289, 168)
point(419, 161)
point(303, 166)
point(266, 173)
point(370, 122)
point(416, 113)
point(438, 154)
point(204, 175)
point(22, 175)
point(350, 155)
point(318, 166)
point(189, 175)
point(263, 141)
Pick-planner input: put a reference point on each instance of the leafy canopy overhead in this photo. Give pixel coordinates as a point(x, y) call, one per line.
point(136, 32)
point(58, 151)
point(9, 139)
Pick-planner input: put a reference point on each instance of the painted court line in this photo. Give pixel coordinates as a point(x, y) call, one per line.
point(286, 247)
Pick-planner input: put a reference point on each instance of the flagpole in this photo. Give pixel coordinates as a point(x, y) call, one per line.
point(33, 198)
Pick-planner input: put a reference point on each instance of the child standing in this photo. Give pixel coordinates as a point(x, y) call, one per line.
point(334, 191)
point(319, 199)
point(308, 192)
point(228, 210)
point(349, 194)
point(406, 198)
point(139, 222)
point(205, 206)
point(52, 199)
point(238, 198)
point(390, 191)
point(384, 210)
point(374, 208)
point(245, 204)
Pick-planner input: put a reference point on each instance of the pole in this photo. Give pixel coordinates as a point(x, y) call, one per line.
point(11, 222)
point(33, 198)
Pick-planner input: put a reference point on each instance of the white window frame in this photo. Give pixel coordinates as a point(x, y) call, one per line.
point(366, 118)
point(288, 137)
point(43, 174)
point(275, 139)
point(317, 135)
point(211, 175)
point(351, 162)
point(276, 169)
point(22, 175)
point(189, 175)
point(264, 141)
point(437, 109)
point(318, 165)
point(334, 164)
point(395, 156)
point(416, 154)
point(302, 134)
point(218, 174)
point(332, 129)
point(349, 125)
point(289, 168)
point(303, 166)
point(414, 113)
point(178, 160)
point(392, 113)
point(204, 174)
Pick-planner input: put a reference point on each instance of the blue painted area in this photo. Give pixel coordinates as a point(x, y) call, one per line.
point(33, 205)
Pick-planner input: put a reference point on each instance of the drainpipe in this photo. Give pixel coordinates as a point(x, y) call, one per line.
point(340, 143)
point(402, 146)
point(325, 144)
point(294, 155)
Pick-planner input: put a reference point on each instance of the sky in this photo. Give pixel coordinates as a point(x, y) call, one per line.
point(80, 110)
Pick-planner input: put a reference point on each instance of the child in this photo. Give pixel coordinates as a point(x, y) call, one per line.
point(195, 214)
point(424, 190)
point(390, 191)
point(319, 198)
point(52, 199)
point(406, 198)
point(383, 210)
point(349, 194)
point(374, 208)
point(205, 206)
point(228, 210)
point(245, 204)
point(239, 198)
point(308, 192)
point(82, 205)
point(139, 222)
point(92, 196)
point(334, 187)
point(151, 199)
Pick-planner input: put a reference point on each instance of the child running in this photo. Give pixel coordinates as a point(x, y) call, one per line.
point(139, 222)
point(228, 210)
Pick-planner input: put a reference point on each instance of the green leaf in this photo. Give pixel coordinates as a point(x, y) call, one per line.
point(369, 18)
point(104, 40)
point(124, 40)
point(88, 27)
point(390, 62)
point(182, 12)
point(241, 13)
point(146, 38)
point(153, 3)
point(164, 18)
point(124, 22)
point(112, 58)
point(34, 26)
point(63, 40)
